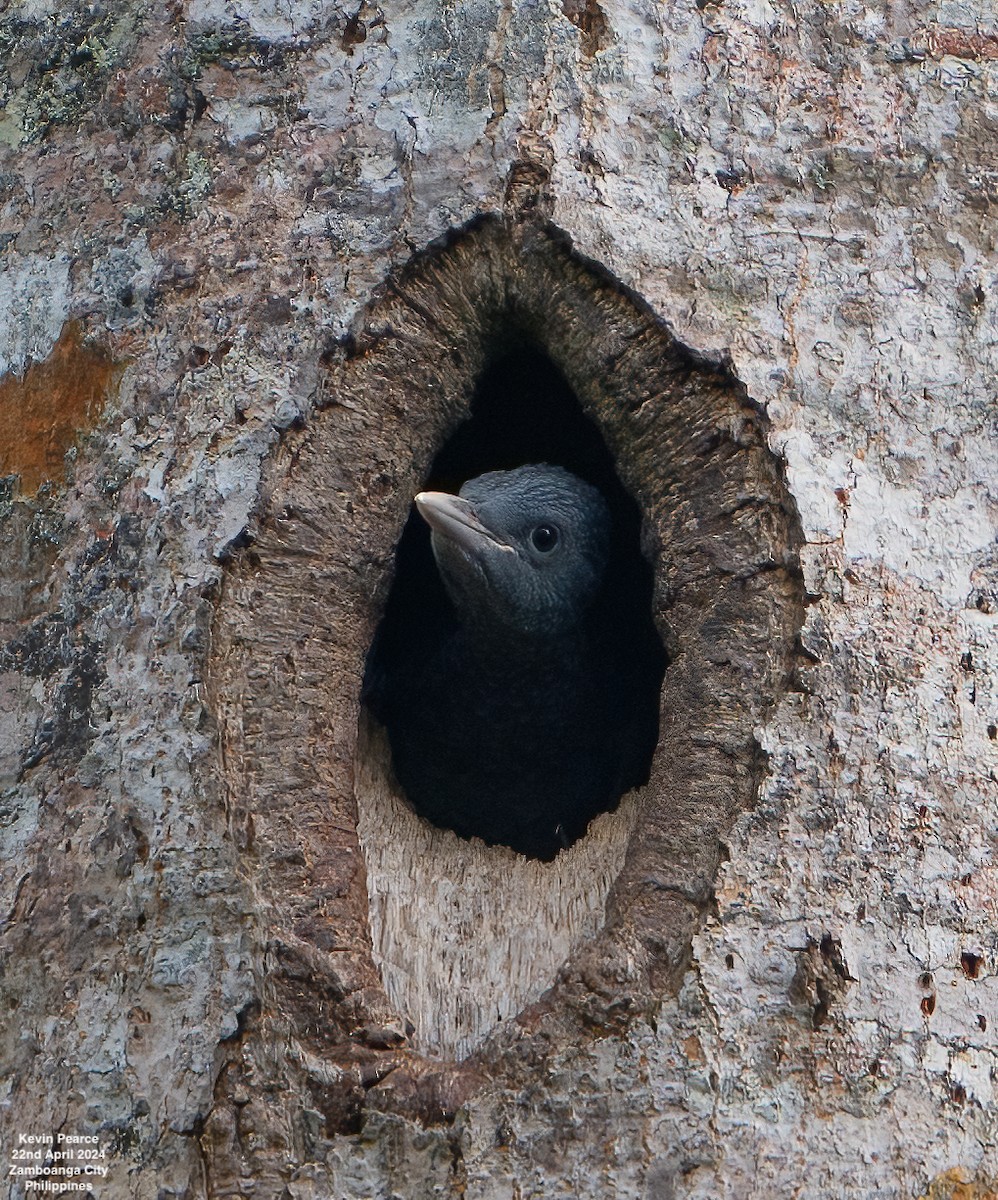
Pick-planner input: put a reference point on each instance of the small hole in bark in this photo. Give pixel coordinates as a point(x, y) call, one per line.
point(545, 735)
point(354, 32)
point(971, 964)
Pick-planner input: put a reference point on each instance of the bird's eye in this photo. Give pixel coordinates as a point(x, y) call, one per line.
point(544, 538)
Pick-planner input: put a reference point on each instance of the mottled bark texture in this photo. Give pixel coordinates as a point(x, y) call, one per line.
point(255, 258)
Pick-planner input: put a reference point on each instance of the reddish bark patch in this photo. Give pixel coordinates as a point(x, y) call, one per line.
point(959, 1184)
point(42, 414)
point(974, 47)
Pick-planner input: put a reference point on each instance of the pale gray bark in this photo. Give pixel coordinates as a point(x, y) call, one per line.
point(214, 192)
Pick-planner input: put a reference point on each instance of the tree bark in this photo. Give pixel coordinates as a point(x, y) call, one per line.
point(257, 258)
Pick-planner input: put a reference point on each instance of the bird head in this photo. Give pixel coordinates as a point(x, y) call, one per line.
point(520, 550)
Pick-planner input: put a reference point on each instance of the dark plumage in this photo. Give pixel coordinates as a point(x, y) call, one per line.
point(522, 709)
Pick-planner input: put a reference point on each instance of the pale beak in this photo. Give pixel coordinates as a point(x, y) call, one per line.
point(455, 519)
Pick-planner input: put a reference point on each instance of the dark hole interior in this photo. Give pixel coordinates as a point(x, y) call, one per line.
point(522, 412)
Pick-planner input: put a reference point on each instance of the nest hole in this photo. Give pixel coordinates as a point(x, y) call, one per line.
point(496, 923)
point(524, 412)
point(496, 347)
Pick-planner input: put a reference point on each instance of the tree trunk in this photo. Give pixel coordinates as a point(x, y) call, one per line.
point(263, 267)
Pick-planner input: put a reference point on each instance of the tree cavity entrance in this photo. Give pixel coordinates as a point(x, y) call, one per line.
point(521, 738)
point(386, 938)
point(465, 933)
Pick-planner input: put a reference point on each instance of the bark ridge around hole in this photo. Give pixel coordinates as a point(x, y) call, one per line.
point(300, 606)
